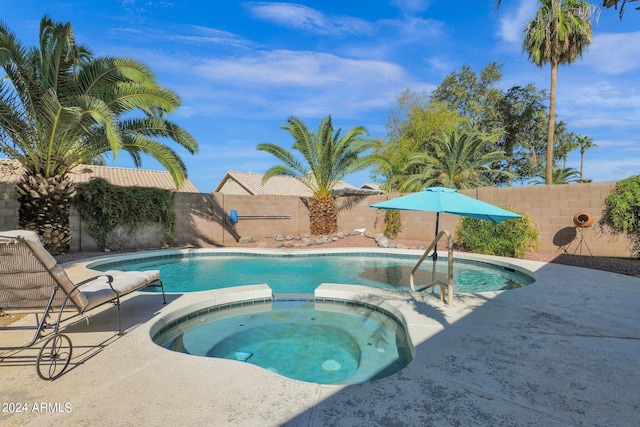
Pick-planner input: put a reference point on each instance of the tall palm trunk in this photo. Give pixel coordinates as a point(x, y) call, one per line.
point(44, 208)
point(581, 161)
point(323, 215)
point(552, 121)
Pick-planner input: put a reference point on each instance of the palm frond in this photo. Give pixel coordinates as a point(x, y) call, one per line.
point(156, 127)
point(168, 158)
point(291, 163)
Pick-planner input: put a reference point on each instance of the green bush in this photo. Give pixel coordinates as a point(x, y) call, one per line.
point(622, 210)
point(392, 223)
point(105, 207)
point(512, 238)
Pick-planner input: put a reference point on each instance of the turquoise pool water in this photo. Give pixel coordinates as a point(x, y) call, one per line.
point(303, 273)
point(314, 341)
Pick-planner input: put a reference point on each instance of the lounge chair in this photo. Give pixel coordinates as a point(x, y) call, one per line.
point(31, 281)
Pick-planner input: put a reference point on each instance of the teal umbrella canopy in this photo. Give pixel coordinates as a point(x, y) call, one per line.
point(447, 200)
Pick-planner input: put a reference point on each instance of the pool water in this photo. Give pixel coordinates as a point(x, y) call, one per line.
point(313, 341)
point(302, 274)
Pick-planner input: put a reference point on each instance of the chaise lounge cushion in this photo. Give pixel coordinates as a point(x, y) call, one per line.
point(98, 290)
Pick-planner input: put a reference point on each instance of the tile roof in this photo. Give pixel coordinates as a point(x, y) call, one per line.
point(275, 186)
point(370, 186)
point(11, 171)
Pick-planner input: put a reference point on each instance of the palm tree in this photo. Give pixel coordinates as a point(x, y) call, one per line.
point(560, 176)
point(329, 157)
point(566, 142)
point(557, 35)
point(60, 107)
point(605, 3)
point(584, 142)
point(459, 162)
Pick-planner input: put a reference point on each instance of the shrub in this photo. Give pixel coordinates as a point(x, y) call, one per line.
point(512, 238)
point(105, 207)
point(622, 211)
point(392, 223)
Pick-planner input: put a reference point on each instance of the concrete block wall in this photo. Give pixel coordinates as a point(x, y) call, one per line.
point(552, 208)
point(201, 217)
point(150, 237)
point(268, 210)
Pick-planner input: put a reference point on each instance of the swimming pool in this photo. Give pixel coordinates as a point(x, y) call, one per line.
point(320, 341)
point(197, 270)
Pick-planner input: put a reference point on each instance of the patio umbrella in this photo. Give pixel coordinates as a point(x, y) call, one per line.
point(448, 200)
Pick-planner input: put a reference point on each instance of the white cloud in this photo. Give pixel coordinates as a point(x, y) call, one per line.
point(609, 170)
point(614, 53)
point(617, 144)
point(191, 34)
point(514, 21)
point(307, 19)
point(293, 68)
point(413, 30)
point(440, 64)
point(305, 84)
point(603, 93)
point(412, 6)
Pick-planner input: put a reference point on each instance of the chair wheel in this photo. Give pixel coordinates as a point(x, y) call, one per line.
point(54, 357)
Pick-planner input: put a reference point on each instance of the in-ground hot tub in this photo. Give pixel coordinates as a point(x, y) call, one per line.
point(324, 341)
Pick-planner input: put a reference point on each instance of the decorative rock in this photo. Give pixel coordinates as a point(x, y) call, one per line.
point(289, 237)
point(246, 240)
point(340, 235)
point(288, 244)
point(383, 242)
point(279, 237)
point(296, 237)
point(279, 244)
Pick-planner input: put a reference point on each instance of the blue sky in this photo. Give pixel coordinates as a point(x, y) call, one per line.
point(243, 67)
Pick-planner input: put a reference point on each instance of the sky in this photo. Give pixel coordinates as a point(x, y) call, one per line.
point(242, 68)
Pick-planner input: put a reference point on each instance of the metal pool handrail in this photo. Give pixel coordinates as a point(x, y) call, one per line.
point(443, 286)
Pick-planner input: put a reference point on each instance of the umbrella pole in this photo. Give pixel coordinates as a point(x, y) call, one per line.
point(435, 249)
point(434, 256)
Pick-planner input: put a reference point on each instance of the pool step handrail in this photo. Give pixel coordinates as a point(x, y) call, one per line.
point(444, 287)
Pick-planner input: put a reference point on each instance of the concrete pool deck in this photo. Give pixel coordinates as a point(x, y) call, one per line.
point(563, 351)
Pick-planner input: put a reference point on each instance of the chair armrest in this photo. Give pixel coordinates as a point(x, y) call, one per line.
point(91, 279)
